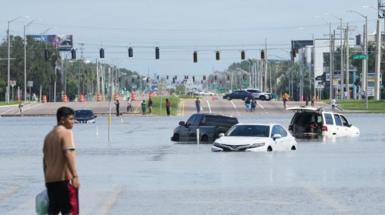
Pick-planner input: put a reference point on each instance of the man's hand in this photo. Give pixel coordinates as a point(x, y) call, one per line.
point(75, 182)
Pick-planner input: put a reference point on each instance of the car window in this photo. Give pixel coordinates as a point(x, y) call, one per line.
point(277, 129)
point(328, 119)
point(192, 119)
point(249, 131)
point(83, 113)
point(344, 121)
point(338, 120)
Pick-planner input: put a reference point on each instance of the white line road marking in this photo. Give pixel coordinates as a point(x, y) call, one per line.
point(111, 201)
point(327, 199)
point(259, 104)
point(235, 108)
point(208, 105)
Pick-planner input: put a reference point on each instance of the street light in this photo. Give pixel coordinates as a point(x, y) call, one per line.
point(25, 61)
point(365, 60)
point(9, 57)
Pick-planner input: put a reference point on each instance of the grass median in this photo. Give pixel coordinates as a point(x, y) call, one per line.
point(10, 103)
point(159, 105)
point(359, 105)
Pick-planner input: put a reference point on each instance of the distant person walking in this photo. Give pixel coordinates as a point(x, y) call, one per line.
point(198, 105)
point(143, 105)
point(253, 104)
point(21, 108)
point(59, 165)
point(334, 104)
point(129, 105)
point(247, 104)
point(285, 98)
point(117, 104)
point(312, 101)
point(149, 105)
point(168, 107)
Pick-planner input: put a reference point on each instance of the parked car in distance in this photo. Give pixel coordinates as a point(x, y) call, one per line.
point(84, 116)
point(209, 125)
point(309, 122)
point(259, 94)
point(255, 137)
point(238, 94)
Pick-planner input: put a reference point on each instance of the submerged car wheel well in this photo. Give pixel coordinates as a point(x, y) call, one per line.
point(269, 149)
point(205, 138)
point(293, 148)
point(176, 137)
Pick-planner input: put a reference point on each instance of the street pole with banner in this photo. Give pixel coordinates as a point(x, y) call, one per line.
point(30, 85)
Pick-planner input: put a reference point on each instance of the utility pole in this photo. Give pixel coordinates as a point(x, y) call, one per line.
point(342, 60)
point(265, 73)
point(378, 61)
point(331, 64)
point(25, 61)
point(9, 59)
point(347, 61)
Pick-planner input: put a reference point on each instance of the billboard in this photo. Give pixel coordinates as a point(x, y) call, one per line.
point(61, 42)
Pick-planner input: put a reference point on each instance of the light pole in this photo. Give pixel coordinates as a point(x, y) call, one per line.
point(9, 57)
point(365, 60)
point(25, 61)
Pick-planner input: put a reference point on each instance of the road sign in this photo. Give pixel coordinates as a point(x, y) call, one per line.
point(30, 83)
point(360, 57)
point(12, 83)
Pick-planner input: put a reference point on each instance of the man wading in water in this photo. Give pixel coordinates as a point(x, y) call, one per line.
point(59, 162)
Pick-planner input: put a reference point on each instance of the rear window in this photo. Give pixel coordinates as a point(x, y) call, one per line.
point(219, 120)
point(328, 119)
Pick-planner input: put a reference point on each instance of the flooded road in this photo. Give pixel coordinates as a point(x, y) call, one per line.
point(142, 172)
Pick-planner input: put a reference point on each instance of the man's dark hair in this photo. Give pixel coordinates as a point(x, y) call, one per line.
point(64, 112)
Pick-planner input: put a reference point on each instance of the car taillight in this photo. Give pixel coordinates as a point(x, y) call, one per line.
point(324, 128)
point(290, 127)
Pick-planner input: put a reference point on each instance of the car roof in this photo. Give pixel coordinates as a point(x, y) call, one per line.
point(305, 109)
point(212, 114)
point(262, 124)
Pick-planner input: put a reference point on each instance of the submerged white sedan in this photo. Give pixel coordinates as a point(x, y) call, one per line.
point(255, 137)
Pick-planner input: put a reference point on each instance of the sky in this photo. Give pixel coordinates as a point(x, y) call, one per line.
point(180, 27)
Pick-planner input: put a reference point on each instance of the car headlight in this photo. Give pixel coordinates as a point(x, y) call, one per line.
point(255, 145)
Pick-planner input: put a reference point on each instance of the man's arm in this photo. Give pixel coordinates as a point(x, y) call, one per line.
point(70, 154)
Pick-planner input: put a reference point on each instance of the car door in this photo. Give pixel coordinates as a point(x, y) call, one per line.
point(184, 132)
point(346, 126)
point(339, 127)
point(280, 144)
point(192, 128)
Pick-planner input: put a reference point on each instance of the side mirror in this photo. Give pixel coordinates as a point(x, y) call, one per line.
point(182, 123)
point(221, 134)
point(276, 136)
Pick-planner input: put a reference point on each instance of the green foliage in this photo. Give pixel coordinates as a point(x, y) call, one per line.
point(374, 106)
point(159, 105)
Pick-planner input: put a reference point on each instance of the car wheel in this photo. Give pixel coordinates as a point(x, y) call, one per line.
point(176, 137)
point(269, 149)
point(204, 138)
point(262, 98)
point(293, 148)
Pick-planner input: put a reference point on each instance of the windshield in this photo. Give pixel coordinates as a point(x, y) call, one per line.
point(249, 131)
point(83, 113)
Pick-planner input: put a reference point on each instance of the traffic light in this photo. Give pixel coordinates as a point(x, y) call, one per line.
point(101, 53)
point(130, 52)
point(46, 55)
point(262, 54)
point(204, 78)
point(73, 54)
point(147, 80)
point(157, 77)
point(243, 55)
point(195, 57)
point(215, 77)
point(217, 55)
point(167, 77)
point(193, 78)
point(173, 80)
point(157, 53)
point(228, 77)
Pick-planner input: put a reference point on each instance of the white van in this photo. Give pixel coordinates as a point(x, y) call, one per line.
point(309, 122)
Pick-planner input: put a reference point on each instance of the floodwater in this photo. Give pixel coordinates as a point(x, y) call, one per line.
point(142, 172)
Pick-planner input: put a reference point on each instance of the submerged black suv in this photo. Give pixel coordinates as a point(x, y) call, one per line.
point(84, 116)
point(210, 126)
